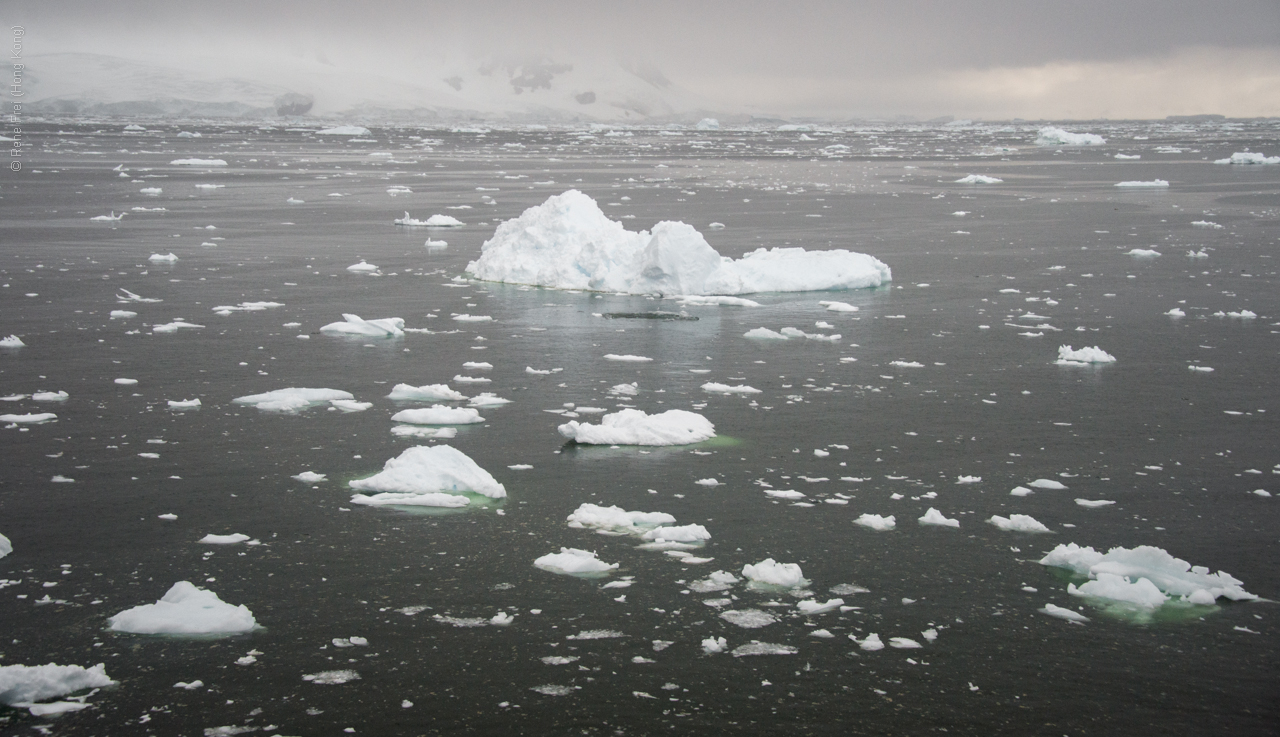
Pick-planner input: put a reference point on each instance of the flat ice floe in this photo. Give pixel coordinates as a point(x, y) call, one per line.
point(616, 519)
point(684, 534)
point(978, 179)
point(1083, 357)
point(773, 573)
point(293, 399)
point(1050, 136)
point(1167, 574)
point(345, 130)
point(568, 243)
point(1063, 613)
point(363, 267)
point(1018, 523)
point(634, 427)
point(1143, 253)
point(198, 162)
point(712, 386)
point(425, 393)
point(434, 476)
point(30, 418)
point(755, 647)
point(11, 341)
point(748, 618)
point(354, 325)
point(183, 403)
point(438, 415)
point(309, 477)
point(22, 685)
point(185, 610)
point(573, 561)
point(1154, 183)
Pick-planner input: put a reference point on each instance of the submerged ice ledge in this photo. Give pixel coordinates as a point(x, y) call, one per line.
point(568, 243)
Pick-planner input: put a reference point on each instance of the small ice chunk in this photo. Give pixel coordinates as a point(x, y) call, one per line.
point(871, 642)
point(876, 522)
point(685, 534)
point(363, 267)
point(1017, 523)
point(748, 618)
point(573, 560)
point(627, 358)
point(756, 647)
point(712, 386)
point(355, 325)
point(769, 571)
point(425, 393)
point(439, 415)
point(309, 477)
point(978, 179)
point(1153, 184)
point(184, 403)
point(58, 396)
point(1069, 357)
point(934, 517)
point(763, 333)
point(1020, 491)
point(1050, 136)
point(427, 469)
point(1092, 503)
point(714, 645)
point(903, 643)
point(291, 400)
point(1063, 613)
point(1047, 484)
point(616, 519)
point(231, 539)
point(1141, 592)
point(813, 606)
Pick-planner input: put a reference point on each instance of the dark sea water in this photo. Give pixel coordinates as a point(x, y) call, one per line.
point(1179, 451)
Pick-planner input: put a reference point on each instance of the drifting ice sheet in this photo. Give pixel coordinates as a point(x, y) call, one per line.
point(425, 393)
point(438, 415)
point(616, 519)
point(769, 571)
point(185, 610)
point(634, 427)
point(573, 560)
point(1050, 136)
point(1086, 355)
point(568, 243)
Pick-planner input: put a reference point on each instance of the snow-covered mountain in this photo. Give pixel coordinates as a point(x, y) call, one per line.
point(538, 88)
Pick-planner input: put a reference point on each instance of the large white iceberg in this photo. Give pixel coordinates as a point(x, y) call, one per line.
point(1050, 136)
point(355, 325)
point(432, 476)
point(185, 610)
point(292, 399)
point(1173, 576)
point(24, 684)
point(568, 243)
point(634, 427)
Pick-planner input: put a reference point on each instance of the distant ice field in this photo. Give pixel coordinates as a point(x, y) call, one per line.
point(968, 389)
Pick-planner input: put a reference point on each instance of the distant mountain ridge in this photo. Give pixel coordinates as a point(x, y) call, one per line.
point(528, 89)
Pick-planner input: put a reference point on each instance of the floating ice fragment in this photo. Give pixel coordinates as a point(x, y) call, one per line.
point(332, 677)
point(425, 393)
point(345, 130)
point(978, 179)
point(838, 306)
point(1143, 253)
point(573, 560)
point(58, 396)
point(748, 618)
point(969, 480)
point(634, 359)
point(163, 258)
point(770, 572)
point(711, 386)
point(309, 477)
point(1155, 183)
point(1171, 575)
point(439, 415)
point(489, 399)
point(31, 418)
point(876, 522)
point(185, 610)
point(616, 519)
point(871, 642)
point(1141, 592)
point(685, 534)
point(291, 400)
point(707, 482)
point(813, 606)
point(1017, 523)
point(1050, 136)
point(355, 325)
point(25, 684)
point(362, 268)
point(635, 427)
point(1091, 503)
point(1064, 613)
point(198, 162)
point(764, 334)
point(427, 470)
point(1249, 158)
point(231, 539)
point(184, 403)
point(903, 643)
point(934, 517)
point(755, 647)
point(1047, 484)
point(714, 645)
point(1082, 357)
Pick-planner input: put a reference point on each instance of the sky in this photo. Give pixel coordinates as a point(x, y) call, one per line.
point(984, 59)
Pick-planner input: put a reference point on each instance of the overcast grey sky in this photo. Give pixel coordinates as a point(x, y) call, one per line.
point(987, 58)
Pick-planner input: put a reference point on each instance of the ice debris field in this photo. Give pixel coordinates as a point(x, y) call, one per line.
point(707, 428)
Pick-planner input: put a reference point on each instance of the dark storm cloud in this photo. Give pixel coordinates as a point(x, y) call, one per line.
point(791, 56)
